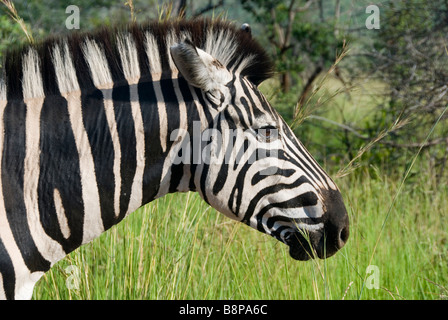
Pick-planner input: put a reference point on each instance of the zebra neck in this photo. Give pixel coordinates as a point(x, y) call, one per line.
point(171, 111)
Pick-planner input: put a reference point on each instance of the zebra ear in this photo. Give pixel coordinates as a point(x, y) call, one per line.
point(199, 68)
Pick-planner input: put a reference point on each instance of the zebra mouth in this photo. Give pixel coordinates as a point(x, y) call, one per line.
point(302, 246)
point(306, 245)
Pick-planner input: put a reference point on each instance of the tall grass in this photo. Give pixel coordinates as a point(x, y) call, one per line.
point(179, 248)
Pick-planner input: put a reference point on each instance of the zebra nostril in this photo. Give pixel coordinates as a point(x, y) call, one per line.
point(343, 236)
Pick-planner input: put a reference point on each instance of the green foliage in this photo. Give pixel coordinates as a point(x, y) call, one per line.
point(10, 34)
point(298, 41)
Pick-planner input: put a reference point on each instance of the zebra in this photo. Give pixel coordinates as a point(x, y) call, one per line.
point(93, 124)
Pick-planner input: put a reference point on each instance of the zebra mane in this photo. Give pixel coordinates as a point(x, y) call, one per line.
point(113, 54)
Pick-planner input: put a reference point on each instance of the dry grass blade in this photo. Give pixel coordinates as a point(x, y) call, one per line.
point(15, 16)
point(352, 165)
point(130, 4)
point(302, 111)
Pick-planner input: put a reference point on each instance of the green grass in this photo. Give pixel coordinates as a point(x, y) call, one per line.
point(178, 247)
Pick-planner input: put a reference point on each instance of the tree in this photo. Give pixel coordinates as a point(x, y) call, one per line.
point(410, 56)
point(303, 46)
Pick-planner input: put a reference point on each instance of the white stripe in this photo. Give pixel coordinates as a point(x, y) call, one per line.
point(69, 87)
point(32, 78)
point(110, 115)
point(171, 40)
point(65, 71)
point(137, 185)
point(129, 61)
point(220, 45)
point(50, 249)
point(93, 223)
point(99, 70)
point(2, 290)
point(2, 89)
point(24, 291)
point(243, 63)
point(310, 227)
point(152, 51)
point(60, 213)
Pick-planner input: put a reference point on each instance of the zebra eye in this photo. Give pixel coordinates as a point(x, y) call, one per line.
point(267, 133)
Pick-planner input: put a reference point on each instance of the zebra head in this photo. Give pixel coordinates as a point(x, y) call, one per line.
point(253, 168)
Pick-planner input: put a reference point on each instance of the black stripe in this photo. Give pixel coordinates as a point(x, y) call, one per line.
point(221, 177)
point(153, 164)
point(14, 151)
point(308, 169)
point(295, 161)
point(7, 272)
point(277, 233)
point(247, 94)
point(229, 150)
point(240, 180)
point(82, 68)
point(263, 102)
point(246, 109)
point(242, 151)
point(205, 165)
point(59, 169)
point(50, 85)
point(13, 78)
point(97, 129)
point(205, 109)
point(177, 172)
point(128, 144)
point(269, 190)
point(139, 40)
point(303, 200)
point(195, 137)
point(173, 122)
point(315, 168)
point(172, 109)
point(245, 104)
point(238, 189)
point(315, 165)
point(278, 171)
point(272, 220)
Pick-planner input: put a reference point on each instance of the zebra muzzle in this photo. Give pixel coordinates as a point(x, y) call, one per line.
point(322, 243)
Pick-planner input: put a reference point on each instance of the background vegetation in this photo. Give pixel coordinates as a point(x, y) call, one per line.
point(369, 104)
